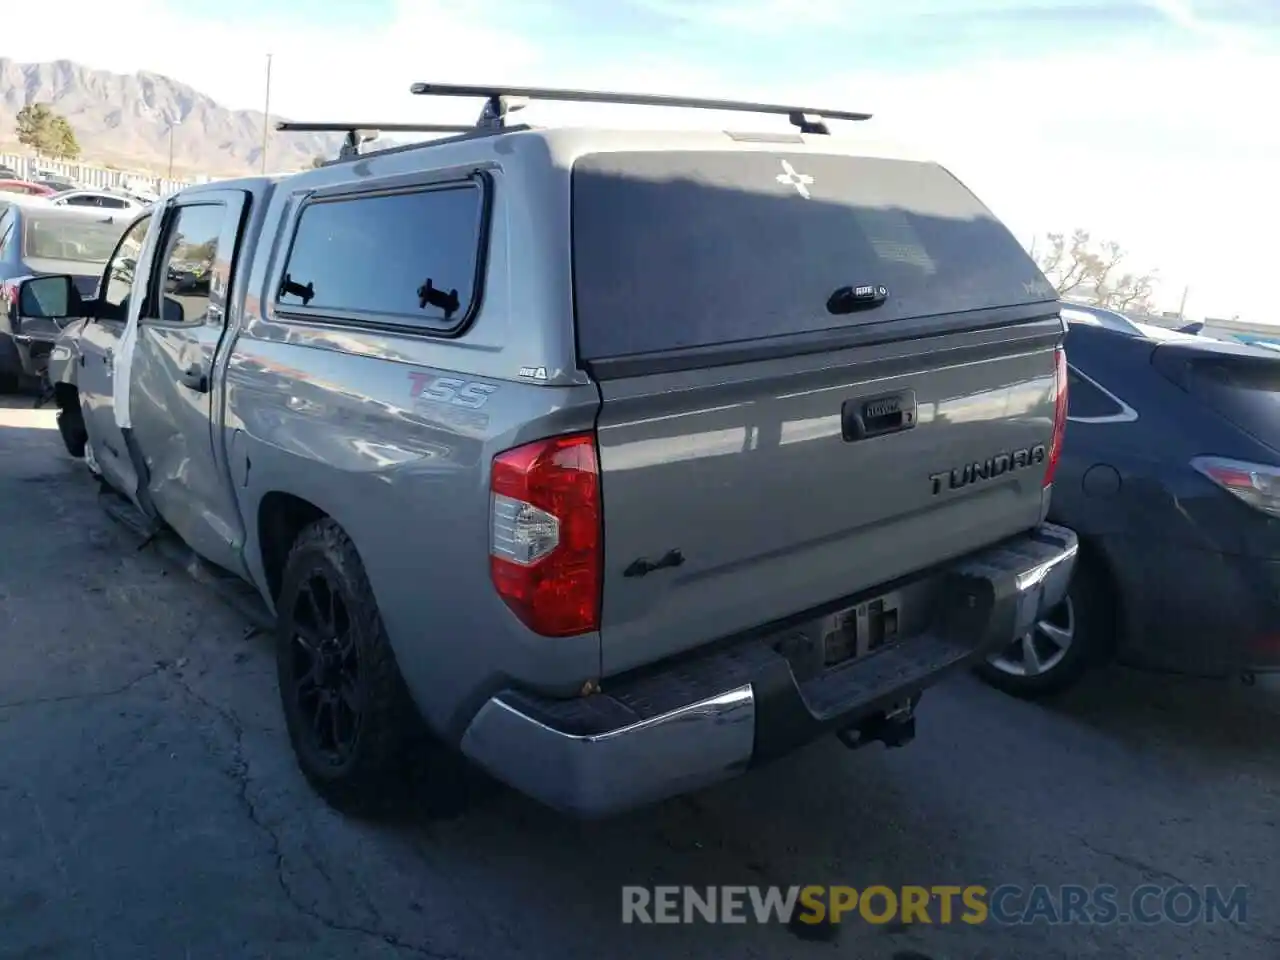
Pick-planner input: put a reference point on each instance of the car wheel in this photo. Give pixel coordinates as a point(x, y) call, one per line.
point(1073, 637)
point(91, 461)
point(71, 427)
point(354, 728)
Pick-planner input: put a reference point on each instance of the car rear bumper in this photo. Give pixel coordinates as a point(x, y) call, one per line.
point(1197, 611)
point(33, 353)
point(10, 358)
point(33, 342)
point(685, 724)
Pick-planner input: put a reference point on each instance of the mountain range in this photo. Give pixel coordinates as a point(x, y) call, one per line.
point(125, 120)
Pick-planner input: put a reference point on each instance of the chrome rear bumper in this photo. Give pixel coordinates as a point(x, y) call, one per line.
point(700, 722)
point(595, 774)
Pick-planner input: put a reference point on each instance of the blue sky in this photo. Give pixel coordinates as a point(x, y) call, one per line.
point(746, 40)
point(1147, 121)
point(802, 38)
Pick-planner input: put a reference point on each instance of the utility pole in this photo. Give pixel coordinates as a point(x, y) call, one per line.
point(1182, 307)
point(266, 116)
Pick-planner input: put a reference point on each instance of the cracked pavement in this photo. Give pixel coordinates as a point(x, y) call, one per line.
point(150, 807)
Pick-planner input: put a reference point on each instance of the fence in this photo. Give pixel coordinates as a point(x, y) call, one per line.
point(91, 175)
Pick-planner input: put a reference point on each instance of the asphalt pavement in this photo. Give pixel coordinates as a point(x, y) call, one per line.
point(150, 806)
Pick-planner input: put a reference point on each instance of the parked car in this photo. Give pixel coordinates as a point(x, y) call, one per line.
point(1170, 476)
point(23, 188)
point(39, 238)
point(100, 199)
point(496, 429)
point(8, 173)
point(53, 180)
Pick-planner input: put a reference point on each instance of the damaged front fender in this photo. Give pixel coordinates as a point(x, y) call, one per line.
point(64, 358)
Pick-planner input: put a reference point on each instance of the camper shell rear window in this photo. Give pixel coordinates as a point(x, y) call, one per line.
point(689, 249)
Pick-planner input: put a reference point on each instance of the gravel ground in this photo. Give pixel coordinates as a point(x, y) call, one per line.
point(150, 807)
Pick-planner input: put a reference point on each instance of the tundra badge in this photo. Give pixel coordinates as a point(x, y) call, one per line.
point(988, 469)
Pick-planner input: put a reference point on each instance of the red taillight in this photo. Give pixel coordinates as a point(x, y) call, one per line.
point(9, 304)
point(545, 553)
point(1059, 414)
point(1257, 484)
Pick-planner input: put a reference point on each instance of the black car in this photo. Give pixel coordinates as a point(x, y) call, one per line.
point(1170, 475)
point(57, 183)
point(39, 238)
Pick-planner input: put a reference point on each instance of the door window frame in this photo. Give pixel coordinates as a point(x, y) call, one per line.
point(104, 281)
point(160, 262)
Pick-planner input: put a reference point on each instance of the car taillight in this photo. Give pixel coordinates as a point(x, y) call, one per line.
point(9, 304)
point(1059, 414)
point(1257, 484)
point(545, 557)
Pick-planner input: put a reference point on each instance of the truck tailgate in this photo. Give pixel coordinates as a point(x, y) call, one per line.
point(736, 501)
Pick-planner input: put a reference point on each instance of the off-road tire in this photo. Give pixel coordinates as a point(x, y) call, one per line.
point(391, 738)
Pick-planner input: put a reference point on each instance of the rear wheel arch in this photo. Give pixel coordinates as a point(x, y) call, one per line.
point(350, 661)
point(1096, 551)
point(1102, 568)
point(281, 519)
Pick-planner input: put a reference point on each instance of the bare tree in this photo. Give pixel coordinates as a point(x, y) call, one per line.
point(1084, 269)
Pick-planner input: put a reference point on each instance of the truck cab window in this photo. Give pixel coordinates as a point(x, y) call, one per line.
point(121, 268)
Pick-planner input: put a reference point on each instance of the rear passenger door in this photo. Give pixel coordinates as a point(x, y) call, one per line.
point(173, 401)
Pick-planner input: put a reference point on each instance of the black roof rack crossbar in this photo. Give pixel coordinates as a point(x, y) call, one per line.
point(500, 101)
point(358, 134)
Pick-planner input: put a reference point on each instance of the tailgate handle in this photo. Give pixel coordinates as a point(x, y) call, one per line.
point(876, 416)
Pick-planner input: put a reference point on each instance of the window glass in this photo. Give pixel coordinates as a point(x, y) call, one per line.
point(62, 235)
point(676, 249)
point(1086, 400)
point(191, 246)
point(1243, 388)
point(121, 270)
point(406, 256)
point(96, 200)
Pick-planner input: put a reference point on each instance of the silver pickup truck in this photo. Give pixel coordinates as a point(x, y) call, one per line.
point(618, 462)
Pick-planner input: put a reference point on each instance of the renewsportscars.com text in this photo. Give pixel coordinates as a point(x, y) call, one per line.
point(1008, 904)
